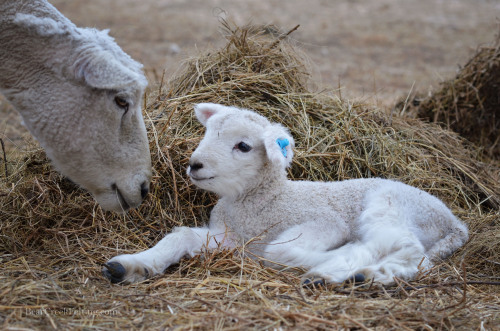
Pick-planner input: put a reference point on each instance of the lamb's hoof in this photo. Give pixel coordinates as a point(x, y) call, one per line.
point(356, 279)
point(114, 271)
point(314, 283)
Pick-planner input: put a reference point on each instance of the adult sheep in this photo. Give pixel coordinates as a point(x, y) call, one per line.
point(354, 229)
point(80, 96)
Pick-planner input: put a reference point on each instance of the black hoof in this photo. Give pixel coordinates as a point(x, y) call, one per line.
point(357, 279)
point(313, 283)
point(114, 271)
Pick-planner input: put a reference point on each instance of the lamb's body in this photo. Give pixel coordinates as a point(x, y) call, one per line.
point(337, 206)
point(375, 227)
point(377, 217)
point(80, 95)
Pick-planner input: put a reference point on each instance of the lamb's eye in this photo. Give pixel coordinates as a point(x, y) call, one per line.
point(245, 148)
point(122, 103)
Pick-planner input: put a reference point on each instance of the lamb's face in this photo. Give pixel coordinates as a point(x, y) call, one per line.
point(234, 150)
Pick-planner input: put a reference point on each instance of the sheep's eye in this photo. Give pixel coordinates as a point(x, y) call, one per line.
point(245, 148)
point(122, 103)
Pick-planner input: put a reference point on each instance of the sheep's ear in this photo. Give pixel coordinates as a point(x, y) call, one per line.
point(204, 111)
point(45, 26)
point(279, 145)
point(101, 70)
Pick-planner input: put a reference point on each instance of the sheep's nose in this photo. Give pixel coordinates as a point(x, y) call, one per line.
point(196, 165)
point(144, 189)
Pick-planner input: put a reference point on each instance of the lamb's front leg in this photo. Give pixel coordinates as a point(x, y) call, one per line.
point(183, 241)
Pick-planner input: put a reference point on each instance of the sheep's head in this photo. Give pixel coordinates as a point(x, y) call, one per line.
point(110, 155)
point(239, 146)
point(82, 101)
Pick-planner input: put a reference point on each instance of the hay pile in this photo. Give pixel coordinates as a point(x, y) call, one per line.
point(54, 238)
point(469, 103)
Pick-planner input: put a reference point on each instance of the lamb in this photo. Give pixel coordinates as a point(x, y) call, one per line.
point(355, 229)
point(80, 96)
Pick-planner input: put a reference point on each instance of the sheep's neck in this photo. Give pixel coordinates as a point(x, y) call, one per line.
point(25, 68)
point(31, 67)
point(28, 57)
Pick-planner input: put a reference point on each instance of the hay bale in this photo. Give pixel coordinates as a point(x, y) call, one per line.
point(470, 102)
point(55, 238)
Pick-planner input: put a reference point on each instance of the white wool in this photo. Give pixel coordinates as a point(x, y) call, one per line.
point(375, 227)
point(65, 81)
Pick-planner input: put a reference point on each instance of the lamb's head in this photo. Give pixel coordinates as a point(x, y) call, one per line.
point(238, 150)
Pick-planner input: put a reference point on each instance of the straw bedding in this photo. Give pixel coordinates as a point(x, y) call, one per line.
point(54, 238)
point(469, 103)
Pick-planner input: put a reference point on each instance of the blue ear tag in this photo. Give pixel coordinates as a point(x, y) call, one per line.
point(282, 143)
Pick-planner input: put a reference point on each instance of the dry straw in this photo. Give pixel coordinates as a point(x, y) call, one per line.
point(470, 102)
point(54, 238)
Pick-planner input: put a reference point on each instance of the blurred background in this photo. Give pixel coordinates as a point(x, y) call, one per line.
point(377, 51)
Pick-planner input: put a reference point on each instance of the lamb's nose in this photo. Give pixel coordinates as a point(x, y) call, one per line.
point(196, 166)
point(144, 189)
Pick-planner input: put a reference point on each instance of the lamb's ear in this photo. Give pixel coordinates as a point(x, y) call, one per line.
point(204, 111)
point(279, 145)
point(101, 70)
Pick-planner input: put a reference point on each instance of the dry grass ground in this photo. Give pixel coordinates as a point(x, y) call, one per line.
point(54, 238)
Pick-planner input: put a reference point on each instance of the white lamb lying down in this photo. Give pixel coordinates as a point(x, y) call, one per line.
point(353, 229)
